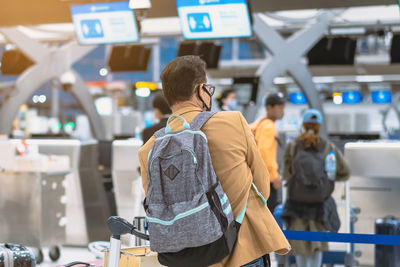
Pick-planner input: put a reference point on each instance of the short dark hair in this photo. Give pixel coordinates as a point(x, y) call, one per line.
point(180, 77)
point(161, 103)
point(224, 95)
point(275, 99)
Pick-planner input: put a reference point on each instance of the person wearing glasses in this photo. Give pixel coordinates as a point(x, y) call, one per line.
point(235, 159)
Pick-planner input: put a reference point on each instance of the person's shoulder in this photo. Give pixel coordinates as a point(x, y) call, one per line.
point(145, 149)
point(157, 126)
point(266, 125)
point(225, 121)
point(331, 145)
point(227, 114)
point(148, 130)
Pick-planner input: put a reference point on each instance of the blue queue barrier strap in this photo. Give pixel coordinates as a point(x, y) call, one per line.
point(343, 238)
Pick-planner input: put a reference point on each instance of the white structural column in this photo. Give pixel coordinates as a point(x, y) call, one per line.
point(51, 62)
point(287, 54)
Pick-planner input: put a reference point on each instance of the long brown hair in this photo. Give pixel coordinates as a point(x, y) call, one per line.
point(310, 135)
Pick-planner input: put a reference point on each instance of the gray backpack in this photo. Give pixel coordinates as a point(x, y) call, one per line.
point(309, 182)
point(190, 220)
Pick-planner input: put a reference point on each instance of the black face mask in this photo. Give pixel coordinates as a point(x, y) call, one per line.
point(208, 108)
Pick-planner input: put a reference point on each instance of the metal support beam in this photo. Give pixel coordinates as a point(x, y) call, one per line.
point(51, 62)
point(156, 50)
point(55, 100)
point(287, 54)
point(81, 93)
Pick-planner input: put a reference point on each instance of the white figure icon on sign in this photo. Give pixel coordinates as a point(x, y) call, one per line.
point(98, 28)
point(192, 23)
point(206, 22)
point(85, 29)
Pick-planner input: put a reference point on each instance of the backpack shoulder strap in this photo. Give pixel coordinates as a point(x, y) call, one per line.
point(200, 120)
point(294, 146)
point(160, 133)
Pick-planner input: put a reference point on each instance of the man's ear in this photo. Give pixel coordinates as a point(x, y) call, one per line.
point(202, 91)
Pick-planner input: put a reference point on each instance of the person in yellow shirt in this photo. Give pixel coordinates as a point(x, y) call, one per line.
point(266, 137)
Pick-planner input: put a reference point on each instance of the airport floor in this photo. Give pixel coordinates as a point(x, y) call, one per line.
point(70, 254)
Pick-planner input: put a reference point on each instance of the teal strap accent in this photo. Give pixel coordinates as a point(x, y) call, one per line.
point(179, 216)
point(224, 199)
point(194, 157)
point(185, 123)
point(259, 194)
point(186, 131)
point(228, 210)
point(240, 218)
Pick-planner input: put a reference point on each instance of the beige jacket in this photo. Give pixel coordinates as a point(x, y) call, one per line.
point(237, 163)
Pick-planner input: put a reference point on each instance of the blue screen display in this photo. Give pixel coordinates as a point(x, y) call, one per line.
point(381, 97)
point(351, 97)
point(298, 98)
point(104, 23)
point(207, 19)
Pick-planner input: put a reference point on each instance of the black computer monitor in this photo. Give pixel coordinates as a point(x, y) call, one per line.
point(15, 62)
point(333, 51)
point(246, 89)
point(208, 51)
point(129, 58)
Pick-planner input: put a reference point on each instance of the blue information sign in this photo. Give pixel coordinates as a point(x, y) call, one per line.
point(104, 23)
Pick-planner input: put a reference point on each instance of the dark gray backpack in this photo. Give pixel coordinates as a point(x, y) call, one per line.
point(189, 215)
point(309, 182)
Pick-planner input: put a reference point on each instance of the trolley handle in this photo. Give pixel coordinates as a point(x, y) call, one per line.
point(139, 234)
point(78, 263)
point(119, 226)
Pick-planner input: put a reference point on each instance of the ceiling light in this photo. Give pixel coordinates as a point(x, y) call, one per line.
point(369, 78)
point(323, 79)
point(35, 99)
point(103, 72)
point(42, 98)
point(347, 31)
point(142, 92)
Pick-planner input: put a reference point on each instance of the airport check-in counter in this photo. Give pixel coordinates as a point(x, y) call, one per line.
point(375, 186)
point(86, 206)
point(127, 181)
point(32, 197)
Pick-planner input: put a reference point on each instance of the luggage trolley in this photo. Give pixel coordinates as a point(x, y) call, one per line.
point(137, 257)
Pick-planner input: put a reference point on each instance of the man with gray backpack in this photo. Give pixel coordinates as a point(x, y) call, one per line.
point(206, 184)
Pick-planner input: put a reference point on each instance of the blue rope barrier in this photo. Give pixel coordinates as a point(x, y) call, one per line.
point(343, 238)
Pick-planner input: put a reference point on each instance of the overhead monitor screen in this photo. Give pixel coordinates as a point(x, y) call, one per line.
point(246, 89)
point(381, 97)
point(298, 98)
point(104, 23)
point(351, 97)
point(206, 19)
point(243, 93)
